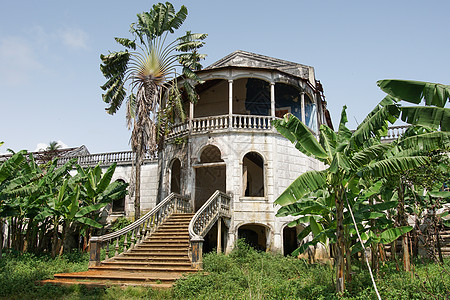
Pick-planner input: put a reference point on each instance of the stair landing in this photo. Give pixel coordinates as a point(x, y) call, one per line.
point(156, 262)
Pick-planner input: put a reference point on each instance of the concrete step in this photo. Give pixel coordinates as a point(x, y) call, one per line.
point(155, 263)
point(157, 253)
point(98, 283)
point(122, 276)
point(145, 267)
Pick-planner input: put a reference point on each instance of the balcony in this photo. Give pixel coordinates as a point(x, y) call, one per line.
point(222, 123)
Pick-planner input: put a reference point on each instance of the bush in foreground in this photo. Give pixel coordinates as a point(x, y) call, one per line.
point(243, 274)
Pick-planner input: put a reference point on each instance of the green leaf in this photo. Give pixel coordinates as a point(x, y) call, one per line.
point(89, 222)
point(435, 117)
point(391, 234)
point(106, 179)
point(305, 183)
point(299, 134)
point(414, 91)
point(88, 209)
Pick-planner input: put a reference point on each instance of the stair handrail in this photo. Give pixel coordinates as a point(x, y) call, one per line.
point(140, 229)
point(218, 205)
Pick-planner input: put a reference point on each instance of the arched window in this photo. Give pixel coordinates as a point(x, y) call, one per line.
point(210, 154)
point(175, 177)
point(118, 205)
point(253, 175)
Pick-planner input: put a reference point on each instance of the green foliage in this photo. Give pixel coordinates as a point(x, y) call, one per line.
point(244, 274)
point(37, 199)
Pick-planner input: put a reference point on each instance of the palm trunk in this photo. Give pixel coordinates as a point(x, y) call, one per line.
point(340, 244)
point(137, 192)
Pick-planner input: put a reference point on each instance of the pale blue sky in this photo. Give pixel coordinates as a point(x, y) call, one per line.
point(49, 56)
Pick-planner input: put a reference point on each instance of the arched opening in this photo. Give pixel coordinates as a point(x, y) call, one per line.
point(287, 100)
point(253, 175)
point(118, 205)
point(290, 241)
point(210, 175)
point(175, 177)
point(255, 235)
point(213, 98)
point(251, 96)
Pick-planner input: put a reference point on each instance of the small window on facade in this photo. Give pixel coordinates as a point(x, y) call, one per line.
point(253, 175)
point(118, 205)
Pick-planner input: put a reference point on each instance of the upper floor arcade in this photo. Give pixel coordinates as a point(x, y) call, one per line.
point(245, 91)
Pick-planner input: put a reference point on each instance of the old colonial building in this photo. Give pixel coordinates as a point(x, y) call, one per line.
point(228, 144)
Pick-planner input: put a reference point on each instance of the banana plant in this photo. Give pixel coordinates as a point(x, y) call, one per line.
point(97, 191)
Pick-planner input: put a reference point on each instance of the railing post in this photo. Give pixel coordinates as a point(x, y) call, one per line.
point(94, 257)
point(197, 252)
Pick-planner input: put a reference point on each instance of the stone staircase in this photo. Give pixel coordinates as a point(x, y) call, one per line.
point(158, 261)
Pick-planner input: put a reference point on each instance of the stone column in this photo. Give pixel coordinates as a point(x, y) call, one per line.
point(303, 106)
point(191, 116)
point(230, 102)
point(272, 99)
point(219, 235)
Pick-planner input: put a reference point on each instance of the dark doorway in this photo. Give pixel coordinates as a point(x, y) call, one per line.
point(289, 240)
point(175, 177)
point(254, 235)
point(118, 205)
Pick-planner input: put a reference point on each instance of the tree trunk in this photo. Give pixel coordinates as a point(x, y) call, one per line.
point(55, 238)
point(403, 222)
point(137, 192)
point(340, 244)
point(1, 237)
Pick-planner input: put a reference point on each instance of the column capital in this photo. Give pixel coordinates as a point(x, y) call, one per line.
point(230, 80)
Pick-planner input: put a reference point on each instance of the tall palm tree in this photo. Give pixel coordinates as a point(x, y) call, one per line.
point(151, 72)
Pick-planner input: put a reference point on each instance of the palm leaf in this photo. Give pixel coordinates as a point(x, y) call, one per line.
point(376, 125)
point(414, 91)
point(392, 165)
point(299, 134)
point(435, 117)
point(427, 141)
point(305, 183)
point(106, 179)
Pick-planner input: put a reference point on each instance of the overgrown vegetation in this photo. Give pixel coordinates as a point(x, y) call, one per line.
point(363, 196)
point(243, 274)
point(42, 204)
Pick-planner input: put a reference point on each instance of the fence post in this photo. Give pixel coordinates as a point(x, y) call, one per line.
point(94, 257)
point(197, 252)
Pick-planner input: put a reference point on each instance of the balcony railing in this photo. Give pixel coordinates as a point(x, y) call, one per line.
point(123, 157)
point(223, 122)
point(395, 132)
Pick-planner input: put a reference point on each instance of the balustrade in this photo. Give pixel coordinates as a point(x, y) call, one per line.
point(395, 132)
point(105, 158)
point(223, 122)
point(218, 205)
point(136, 232)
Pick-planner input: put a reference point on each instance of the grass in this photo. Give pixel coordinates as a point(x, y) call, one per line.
point(243, 274)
